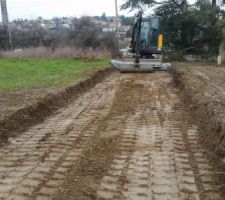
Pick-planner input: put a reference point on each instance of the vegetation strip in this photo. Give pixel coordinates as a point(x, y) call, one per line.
point(36, 73)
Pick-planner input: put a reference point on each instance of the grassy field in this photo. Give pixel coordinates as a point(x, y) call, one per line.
point(23, 73)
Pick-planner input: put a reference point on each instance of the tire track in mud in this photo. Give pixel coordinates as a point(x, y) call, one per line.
point(130, 137)
point(165, 160)
point(122, 108)
point(35, 164)
point(212, 77)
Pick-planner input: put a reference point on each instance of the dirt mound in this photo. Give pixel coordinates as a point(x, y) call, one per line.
point(208, 104)
point(28, 116)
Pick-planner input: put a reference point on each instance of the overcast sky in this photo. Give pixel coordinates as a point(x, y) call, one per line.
point(50, 8)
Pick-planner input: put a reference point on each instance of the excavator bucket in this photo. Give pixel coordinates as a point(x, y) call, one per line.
point(145, 65)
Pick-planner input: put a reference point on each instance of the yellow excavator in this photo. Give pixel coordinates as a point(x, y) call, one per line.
point(146, 48)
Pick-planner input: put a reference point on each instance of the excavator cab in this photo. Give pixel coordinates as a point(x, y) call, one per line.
point(149, 37)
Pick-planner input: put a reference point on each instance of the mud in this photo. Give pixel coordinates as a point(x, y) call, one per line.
point(27, 116)
point(12, 100)
point(203, 89)
point(129, 137)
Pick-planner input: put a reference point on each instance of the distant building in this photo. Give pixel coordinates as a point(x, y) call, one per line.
point(109, 29)
point(124, 28)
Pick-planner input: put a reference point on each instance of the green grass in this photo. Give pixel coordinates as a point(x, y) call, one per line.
point(35, 73)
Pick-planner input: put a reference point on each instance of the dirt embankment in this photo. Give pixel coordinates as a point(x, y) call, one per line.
point(208, 104)
point(24, 118)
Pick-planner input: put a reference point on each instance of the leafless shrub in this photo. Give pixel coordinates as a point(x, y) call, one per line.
point(59, 53)
point(1, 53)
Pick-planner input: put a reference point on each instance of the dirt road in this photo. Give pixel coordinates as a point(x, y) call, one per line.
point(130, 137)
point(214, 76)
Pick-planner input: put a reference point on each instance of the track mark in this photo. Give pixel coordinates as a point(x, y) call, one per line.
point(130, 137)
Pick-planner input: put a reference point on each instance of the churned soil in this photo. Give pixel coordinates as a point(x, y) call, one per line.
point(129, 136)
point(22, 108)
point(203, 88)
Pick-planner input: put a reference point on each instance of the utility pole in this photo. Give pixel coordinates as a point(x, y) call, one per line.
point(5, 22)
point(117, 25)
point(117, 19)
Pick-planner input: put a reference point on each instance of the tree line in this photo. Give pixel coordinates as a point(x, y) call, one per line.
point(189, 28)
point(84, 33)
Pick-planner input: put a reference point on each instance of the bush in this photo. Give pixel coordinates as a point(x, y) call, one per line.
point(1, 53)
point(86, 34)
point(59, 53)
point(174, 56)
